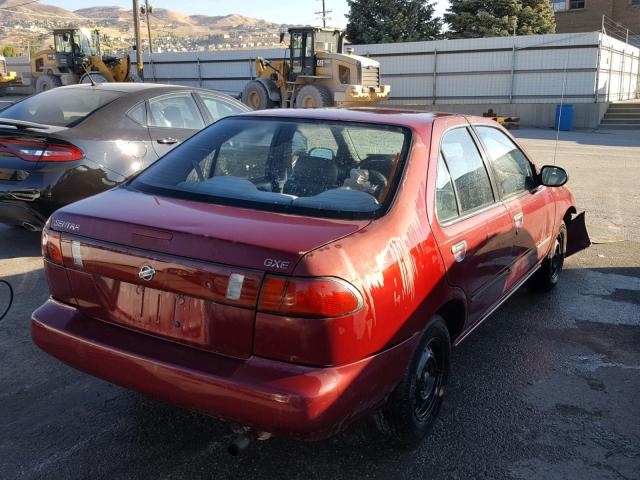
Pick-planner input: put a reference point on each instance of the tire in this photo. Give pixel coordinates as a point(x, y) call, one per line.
point(97, 77)
point(413, 406)
point(47, 82)
point(314, 96)
point(255, 95)
point(547, 277)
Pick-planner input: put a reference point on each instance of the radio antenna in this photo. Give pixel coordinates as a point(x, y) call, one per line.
point(564, 87)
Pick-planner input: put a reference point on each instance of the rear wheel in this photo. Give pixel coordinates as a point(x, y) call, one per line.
point(47, 82)
point(548, 275)
point(255, 95)
point(314, 96)
point(414, 405)
point(97, 78)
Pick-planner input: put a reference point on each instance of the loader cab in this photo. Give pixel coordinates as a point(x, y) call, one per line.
point(304, 43)
point(73, 44)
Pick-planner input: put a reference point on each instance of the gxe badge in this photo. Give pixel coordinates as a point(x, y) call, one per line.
point(147, 273)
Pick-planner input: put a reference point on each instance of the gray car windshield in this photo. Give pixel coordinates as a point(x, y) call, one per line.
point(284, 165)
point(61, 107)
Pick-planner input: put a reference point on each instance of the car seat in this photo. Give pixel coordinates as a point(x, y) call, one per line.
point(311, 175)
point(173, 116)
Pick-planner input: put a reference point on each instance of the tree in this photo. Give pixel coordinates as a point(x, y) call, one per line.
point(9, 51)
point(380, 21)
point(536, 17)
point(498, 18)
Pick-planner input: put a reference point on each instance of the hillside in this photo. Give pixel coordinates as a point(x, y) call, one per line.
point(31, 25)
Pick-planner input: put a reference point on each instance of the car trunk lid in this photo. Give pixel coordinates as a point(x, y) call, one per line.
point(182, 270)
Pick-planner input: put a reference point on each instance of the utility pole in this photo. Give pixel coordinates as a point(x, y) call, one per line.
point(324, 14)
point(136, 30)
point(147, 12)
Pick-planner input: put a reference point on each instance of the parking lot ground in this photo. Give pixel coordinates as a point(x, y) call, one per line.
point(548, 387)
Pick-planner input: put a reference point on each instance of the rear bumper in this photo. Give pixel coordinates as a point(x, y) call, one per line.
point(281, 398)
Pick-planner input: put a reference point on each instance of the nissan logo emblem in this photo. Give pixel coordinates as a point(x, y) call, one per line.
point(147, 273)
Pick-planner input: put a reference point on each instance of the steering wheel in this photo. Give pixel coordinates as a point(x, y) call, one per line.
point(377, 180)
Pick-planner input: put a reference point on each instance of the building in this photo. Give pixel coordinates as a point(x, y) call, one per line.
point(586, 15)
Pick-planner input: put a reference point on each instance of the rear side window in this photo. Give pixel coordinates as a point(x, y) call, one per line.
point(513, 170)
point(446, 207)
point(467, 169)
point(138, 114)
point(307, 167)
point(61, 107)
point(175, 111)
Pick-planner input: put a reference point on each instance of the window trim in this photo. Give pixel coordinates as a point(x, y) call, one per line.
point(513, 195)
point(464, 215)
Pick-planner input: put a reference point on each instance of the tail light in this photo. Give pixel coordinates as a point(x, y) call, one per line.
point(308, 297)
point(52, 246)
point(39, 151)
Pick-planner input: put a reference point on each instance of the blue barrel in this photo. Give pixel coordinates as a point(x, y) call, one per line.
point(564, 117)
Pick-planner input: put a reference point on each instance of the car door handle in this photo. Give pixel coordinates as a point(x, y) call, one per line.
point(459, 250)
point(518, 219)
point(167, 141)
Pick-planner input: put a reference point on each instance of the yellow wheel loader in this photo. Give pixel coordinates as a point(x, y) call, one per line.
point(315, 73)
point(76, 57)
point(6, 77)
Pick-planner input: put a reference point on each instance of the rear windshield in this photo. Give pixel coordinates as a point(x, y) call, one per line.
point(320, 168)
point(61, 106)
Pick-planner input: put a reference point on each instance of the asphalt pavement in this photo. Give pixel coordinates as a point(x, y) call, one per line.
point(548, 387)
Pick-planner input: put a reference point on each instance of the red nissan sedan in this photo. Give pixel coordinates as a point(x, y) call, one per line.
point(294, 270)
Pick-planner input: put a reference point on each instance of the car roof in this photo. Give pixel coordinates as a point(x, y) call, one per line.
point(126, 87)
point(408, 118)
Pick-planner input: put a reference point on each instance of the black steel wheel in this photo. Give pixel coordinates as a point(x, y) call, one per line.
point(414, 405)
point(548, 275)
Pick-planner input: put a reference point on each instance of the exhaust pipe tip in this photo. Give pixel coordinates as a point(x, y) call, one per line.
point(239, 444)
point(30, 227)
point(243, 438)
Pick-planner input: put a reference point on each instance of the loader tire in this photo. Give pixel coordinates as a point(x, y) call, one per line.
point(314, 96)
point(255, 95)
point(47, 82)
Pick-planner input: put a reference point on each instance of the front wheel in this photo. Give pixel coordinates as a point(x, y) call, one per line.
point(314, 96)
point(414, 405)
point(548, 275)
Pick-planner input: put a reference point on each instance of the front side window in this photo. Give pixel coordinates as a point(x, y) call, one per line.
point(512, 169)
point(467, 170)
point(175, 111)
point(283, 165)
point(218, 108)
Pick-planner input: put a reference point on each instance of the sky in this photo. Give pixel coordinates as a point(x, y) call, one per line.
point(283, 11)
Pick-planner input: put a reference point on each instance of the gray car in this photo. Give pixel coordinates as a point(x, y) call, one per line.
point(72, 142)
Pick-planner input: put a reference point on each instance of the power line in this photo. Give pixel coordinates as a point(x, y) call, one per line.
point(324, 14)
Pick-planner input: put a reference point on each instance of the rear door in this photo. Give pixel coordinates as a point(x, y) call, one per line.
point(531, 206)
point(471, 225)
point(172, 119)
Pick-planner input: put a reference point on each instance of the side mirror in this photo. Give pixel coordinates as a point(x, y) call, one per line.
point(282, 34)
point(552, 176)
